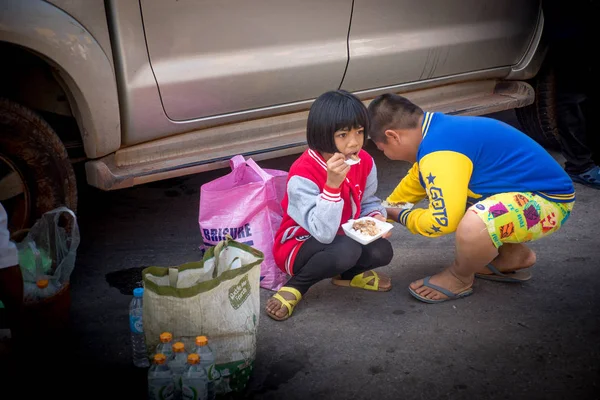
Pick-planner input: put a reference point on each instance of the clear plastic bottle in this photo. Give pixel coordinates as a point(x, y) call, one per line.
point(40, 290)
point(165, 346)
point(160, 379)
point(194, 382)
point(177, 362)
point(138, 340)
point(207, 360)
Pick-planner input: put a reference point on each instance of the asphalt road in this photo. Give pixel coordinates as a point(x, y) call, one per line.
point(538, 340)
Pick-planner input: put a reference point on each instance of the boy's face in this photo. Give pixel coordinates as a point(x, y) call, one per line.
point(349, 141)
point(398, 146)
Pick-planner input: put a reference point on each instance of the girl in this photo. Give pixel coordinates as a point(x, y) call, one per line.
point(324, 192)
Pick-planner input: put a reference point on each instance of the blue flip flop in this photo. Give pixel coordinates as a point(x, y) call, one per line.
point(510, 277)
point(589, 178)
point(451, 296)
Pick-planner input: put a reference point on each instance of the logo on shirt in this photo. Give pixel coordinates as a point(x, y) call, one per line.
point(436, 200)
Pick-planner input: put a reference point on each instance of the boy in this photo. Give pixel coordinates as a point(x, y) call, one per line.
point(487, 181)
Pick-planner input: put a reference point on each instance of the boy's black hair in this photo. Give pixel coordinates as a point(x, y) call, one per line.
point(332, 111)
point(391, 111)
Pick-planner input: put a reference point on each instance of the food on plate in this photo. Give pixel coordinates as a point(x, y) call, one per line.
point(366, 227)
point(399, 204)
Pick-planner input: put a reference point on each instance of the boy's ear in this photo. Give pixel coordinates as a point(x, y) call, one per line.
point(392, 135)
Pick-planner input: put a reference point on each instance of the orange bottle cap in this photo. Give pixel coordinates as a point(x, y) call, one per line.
point(193, 358)
point(201, 340)
point(160, 358)
point(178, 347)
point(42, 283)
point(166, 337)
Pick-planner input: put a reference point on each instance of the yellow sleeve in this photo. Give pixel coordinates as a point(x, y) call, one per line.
point(446, 175)
point(409, 190)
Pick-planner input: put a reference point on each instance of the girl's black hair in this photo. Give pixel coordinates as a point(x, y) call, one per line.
point(332, 111)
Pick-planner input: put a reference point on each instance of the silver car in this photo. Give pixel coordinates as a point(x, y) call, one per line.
point(139, 91)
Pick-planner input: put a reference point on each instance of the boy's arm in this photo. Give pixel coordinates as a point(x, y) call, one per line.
point(371, 204)
point(320, 213)
point(409, 190)
point(446, 175)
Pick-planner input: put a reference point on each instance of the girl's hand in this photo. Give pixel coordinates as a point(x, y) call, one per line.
point(337, 170)
point(380, 217)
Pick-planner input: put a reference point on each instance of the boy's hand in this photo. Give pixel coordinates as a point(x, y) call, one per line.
point(337, 170)
point(380, 217)
point(393, 213)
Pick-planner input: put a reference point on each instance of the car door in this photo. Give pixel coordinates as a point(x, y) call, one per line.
point(213, 58)
point(393, 42)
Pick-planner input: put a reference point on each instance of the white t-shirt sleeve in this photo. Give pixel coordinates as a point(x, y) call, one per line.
point(8, 250)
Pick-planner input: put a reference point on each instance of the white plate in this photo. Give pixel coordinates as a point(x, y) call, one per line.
point(364, 239)
point(406, 206)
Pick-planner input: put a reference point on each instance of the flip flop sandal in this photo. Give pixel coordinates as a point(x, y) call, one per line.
point(289, 304)
point(362, 282)
point(451, 296)
point(510, 277)
point(589, 178)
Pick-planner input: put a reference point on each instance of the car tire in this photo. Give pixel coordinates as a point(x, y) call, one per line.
point(36, 174)
point(539, 120)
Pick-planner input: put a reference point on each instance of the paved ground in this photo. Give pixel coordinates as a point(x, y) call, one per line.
point(537, 340)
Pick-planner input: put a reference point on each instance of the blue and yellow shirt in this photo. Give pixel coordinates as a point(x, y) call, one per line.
point(462, 160)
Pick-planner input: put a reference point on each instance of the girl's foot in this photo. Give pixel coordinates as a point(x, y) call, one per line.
point(281, 306)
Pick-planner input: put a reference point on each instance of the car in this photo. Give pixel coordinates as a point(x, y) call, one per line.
point(132, 92)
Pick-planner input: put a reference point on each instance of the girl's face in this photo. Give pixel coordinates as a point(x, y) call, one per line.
point(349, 141)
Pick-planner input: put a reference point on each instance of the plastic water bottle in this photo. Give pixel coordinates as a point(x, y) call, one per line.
point(165, 346)
point(194, 382)
point(207, 361)
point(177, 362)
point(40, 290)
point(138, 341)
point(160, 379)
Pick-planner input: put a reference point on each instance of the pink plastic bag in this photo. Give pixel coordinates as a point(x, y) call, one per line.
point(246, 204)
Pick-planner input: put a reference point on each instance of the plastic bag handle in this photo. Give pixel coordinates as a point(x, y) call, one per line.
point(217, 251)
point(173, 277)
point(239, 160)
point(260, 172)
point(75, 238)
point(236, 161)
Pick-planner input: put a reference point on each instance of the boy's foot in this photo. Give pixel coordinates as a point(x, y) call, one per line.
point(589, 178)
point(515, 276)
point(281, 306)
point(511, 264)
point(445, 280)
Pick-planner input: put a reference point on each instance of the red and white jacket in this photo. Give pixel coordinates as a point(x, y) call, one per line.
point(310, 208)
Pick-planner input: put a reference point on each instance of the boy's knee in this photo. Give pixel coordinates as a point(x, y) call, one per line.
point(471, 229)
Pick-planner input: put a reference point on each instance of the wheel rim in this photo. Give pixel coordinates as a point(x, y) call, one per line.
point(14, 195)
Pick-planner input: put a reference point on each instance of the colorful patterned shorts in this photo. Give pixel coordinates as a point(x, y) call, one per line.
point(520, 217)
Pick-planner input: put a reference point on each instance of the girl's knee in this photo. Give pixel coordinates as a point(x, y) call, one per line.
point(347, 255)
point(382, 253)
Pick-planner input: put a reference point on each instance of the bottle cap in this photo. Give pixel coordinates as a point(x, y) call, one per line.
point(201, 340)
point(178, 347)
point(42, 283)
point(166, 337)
point(160, 358)
point(138, 292)
point(193, 358)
